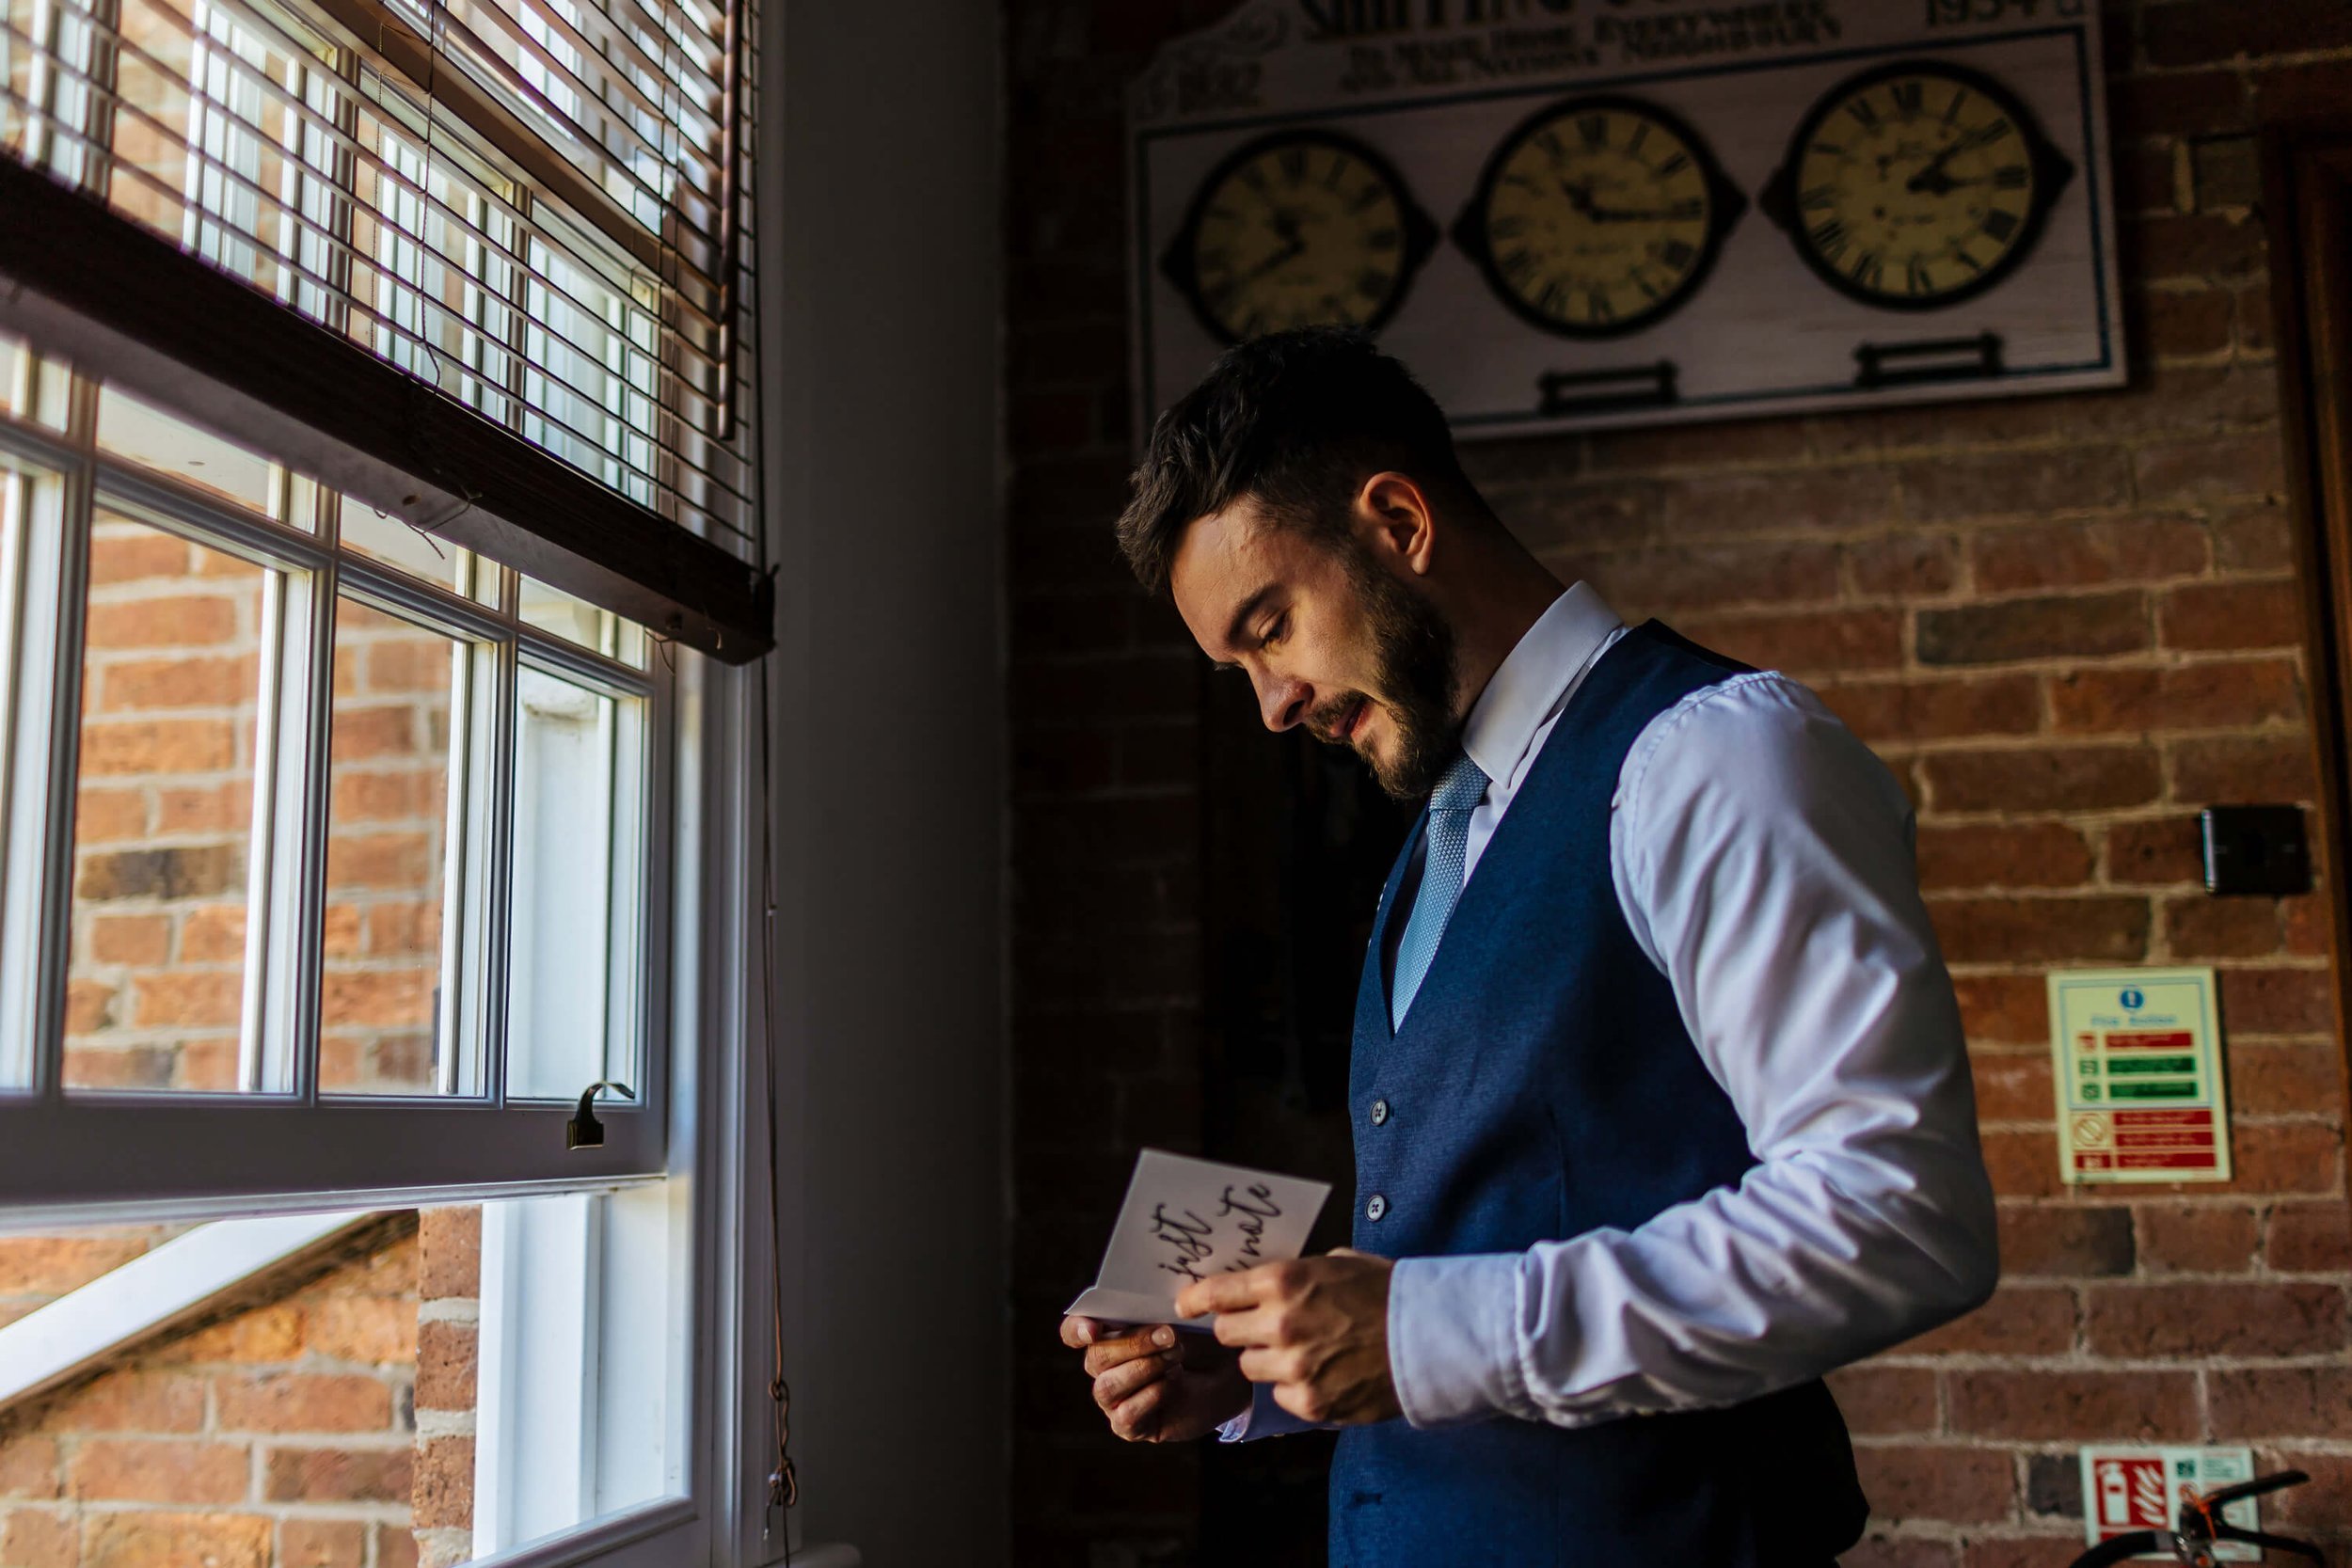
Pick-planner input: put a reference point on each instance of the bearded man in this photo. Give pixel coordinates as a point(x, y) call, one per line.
point(1660, 1099)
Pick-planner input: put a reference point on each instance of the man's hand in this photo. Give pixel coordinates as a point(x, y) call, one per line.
point(1158, 1385)
point(1316, 1328)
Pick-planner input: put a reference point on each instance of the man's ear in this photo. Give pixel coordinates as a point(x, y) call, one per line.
point(1394, 521)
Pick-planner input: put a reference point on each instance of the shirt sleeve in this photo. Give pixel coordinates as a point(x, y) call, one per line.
point(1264, 1418)
point(1763, 858)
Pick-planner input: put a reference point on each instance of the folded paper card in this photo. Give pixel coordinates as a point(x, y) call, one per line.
point(1189, 1219)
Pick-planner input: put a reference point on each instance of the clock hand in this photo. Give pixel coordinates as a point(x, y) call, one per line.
point(1289, 252)
point(1933, 172)
point(1645, 214)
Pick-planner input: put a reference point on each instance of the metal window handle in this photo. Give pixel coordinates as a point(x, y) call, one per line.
point(584, 1130)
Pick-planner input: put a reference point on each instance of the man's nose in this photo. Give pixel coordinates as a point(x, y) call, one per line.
point(1282, 700)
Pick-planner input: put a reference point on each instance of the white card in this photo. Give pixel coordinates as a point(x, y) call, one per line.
point(1188, 1219)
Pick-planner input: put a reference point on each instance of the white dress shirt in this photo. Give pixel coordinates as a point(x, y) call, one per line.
point(1763, 859)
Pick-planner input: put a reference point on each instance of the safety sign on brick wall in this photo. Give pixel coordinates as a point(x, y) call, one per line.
point(2135, 1489)
point(2137, 1055)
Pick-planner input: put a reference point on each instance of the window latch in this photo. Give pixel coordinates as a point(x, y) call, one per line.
point(584, 1130)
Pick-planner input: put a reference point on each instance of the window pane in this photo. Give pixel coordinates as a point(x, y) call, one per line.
point(395, 1015)
point(176, 637)
point(420, 1386)
point(574, 948)
point(31, 501)
point(372, 534)
point(554, 611)
point(153, 438)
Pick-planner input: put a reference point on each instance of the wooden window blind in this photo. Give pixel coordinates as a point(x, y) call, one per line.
point(474, 262)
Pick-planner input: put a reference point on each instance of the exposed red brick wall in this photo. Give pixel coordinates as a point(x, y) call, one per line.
point(2066, 624)
point(324, 1420)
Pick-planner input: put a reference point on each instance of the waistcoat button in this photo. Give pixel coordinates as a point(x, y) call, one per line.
point(1377, 1207)
point(1379, 1112)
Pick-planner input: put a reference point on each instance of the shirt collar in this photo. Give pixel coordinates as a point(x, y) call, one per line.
point(1533, 680)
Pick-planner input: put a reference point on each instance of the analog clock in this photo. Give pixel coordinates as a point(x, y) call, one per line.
point(1916, 185)
point(1298, 229)
point(1599, 215)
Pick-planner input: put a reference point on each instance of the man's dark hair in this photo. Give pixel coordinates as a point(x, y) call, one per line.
point(1298, 419)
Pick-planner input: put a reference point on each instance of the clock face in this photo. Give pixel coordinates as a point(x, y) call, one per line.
point(1599, 217)
point(1301, 229)
point(1917, 185)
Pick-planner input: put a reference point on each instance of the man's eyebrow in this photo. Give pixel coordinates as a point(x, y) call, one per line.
point(1239, 626)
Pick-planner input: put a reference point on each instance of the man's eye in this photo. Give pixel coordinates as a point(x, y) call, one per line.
point(1275, 633)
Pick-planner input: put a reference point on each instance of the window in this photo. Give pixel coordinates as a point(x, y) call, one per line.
point(365, 849)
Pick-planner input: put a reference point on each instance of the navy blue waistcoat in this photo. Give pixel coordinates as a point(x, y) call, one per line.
point(1543, 1085)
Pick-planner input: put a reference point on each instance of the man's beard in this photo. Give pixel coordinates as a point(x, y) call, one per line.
point(1413, 649)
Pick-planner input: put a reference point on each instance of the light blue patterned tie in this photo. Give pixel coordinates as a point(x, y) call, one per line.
point(1457, 795)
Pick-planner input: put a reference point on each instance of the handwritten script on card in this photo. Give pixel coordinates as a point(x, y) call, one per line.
point(1188, 1219)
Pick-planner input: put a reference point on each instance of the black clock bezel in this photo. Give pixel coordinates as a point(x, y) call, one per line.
point(2052, 171)
point(1726, 204)
point(1421, 229)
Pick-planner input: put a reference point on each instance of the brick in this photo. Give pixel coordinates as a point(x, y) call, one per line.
point(2033, 930)
point(396, 1546)
point(2275, 1002)
point(2285, 1079)
point(2228, 170)
point(53, 1265)
point(131, 1400)
point(158, 1471)
point(449, 1252)
point(2013, 1087)
point(189, 1001)
point(2030, 854)
point(2047, 555)
point(130, 939)
point(368, 733)
point(2033, 1551)
point(225, 808)
point(2164, 851)
point(142, 686)
point(2261, 1402)
point(2146, 178)
point(2020, 1320)
point(213, 933)
point(2230, 616)
point(2075, 1242)
point(2244, 769)
point(2089, 625)
point(154, 1540)
point(446, 1365)
point(2216, 695)
point(2044, 778)
point(2288, 1159)
point(2023, 1163)
point(90, 1007)
point(417, 664)
point(2207, 1320)
point(2178, 103)
point(2049, 1404)
point(2201, 926)
point(378, 999)
point(1841, 499)
point(29, 1466)
point(2200, 244)
point(444, 1492)
point(2208, 34)
point(108, 815)
point(337, 1475)
point(395, 862)
point(2310, 1238)
point(36, 1538)
point(178, 620)
point(387, 797)
point(1952, 1485)
point(2191, 324)
point(1877, 1400)
point(321, 1544)
point(1880, 711)
point(2014, 484)
point(302, 1401)
point(1882, 1551)
point(367, 1328)
point(1667, 581)
point(2196, 1238)
point(192, 872)
point(133, 555)
point(1827, 642)
point(2003, 1009)
point(123, 747)
point(2181, 473)
point(1904, 565)
point(267, 1332)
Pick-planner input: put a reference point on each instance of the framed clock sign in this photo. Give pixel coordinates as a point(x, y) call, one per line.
point(1569, 213)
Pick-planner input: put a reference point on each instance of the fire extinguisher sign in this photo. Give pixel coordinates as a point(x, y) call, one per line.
point(2134, 1489)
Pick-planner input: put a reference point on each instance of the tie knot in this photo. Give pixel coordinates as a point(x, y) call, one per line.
point(1461, 789)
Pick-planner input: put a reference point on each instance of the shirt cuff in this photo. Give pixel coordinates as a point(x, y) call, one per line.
point(1452, 1338)
point(1263, 1418)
